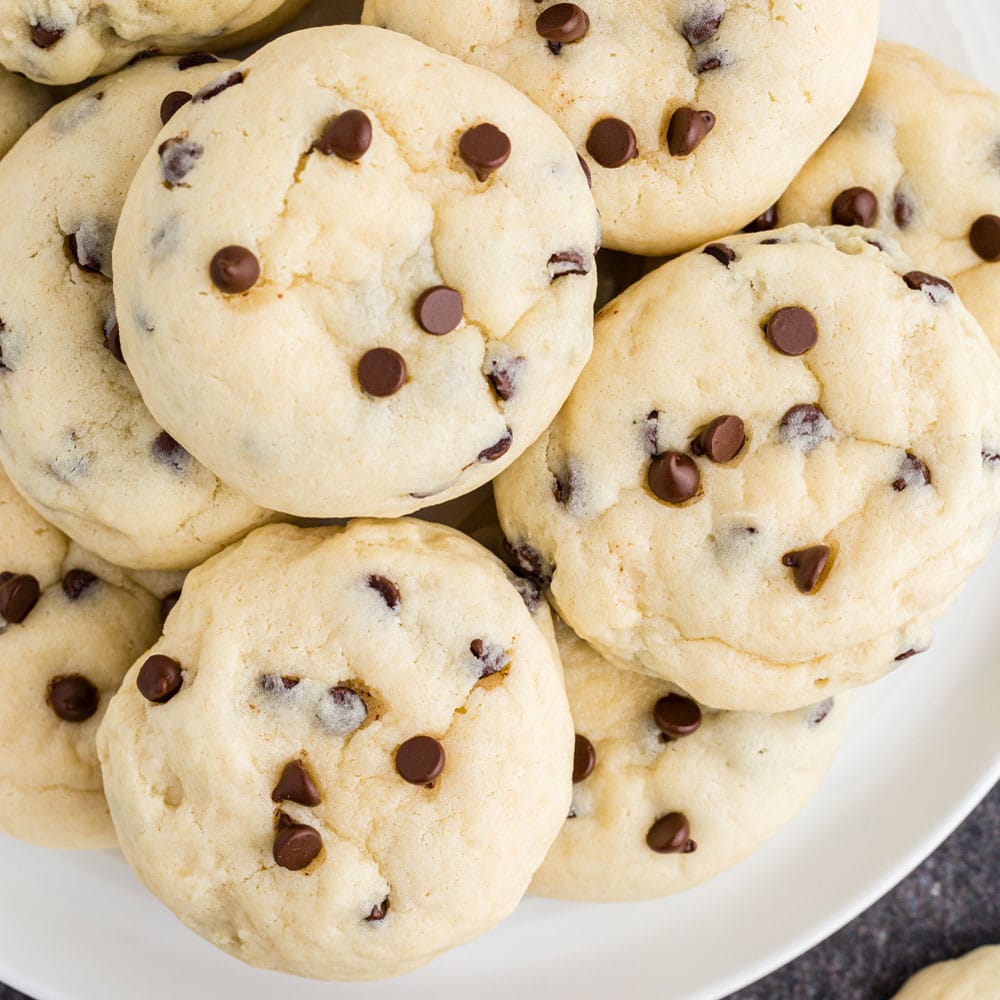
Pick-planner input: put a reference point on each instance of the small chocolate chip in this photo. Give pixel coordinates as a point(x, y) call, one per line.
point(234, 269)
point(295, 785)
point(177, 159)
point(562, 23)
point(808, 565)
point(935, 287)
point(420, 760)
point(527, 561)
point(378, 912)
point(765, 221)
point(275, 684)
point(707, 65)
point(906, 654)
point(504, 374)
point(676, 716)
point(651, 432)
point(76, 582)
point(172, 103)
point(568, 262)
point(168, 604)
point(857, 206)
point(166, 450)
point(45, 35)
point(985, 237)
point(342, 711)
point(73, 698)
point(348, 136)
point(497, 450)
point(671, 834)
point(902, 210)
point(193, 59)
point(381, 372)
point(492, 657)
point(584, 759)
point(19, 593)
point(723, 254)
point(818, 712)
point(386, 588)
point(612, 143)
point(563, 486)
point(702, 27)
point(85, 252)
point(484, 148)
point(688, 127)
point(912, 472)
point(296, 846)
point(586, 171)
point(218, 86)
point(792, 331)
point(673, 477)
point(439, 310)
point(159, 678)
point(805, 426)
point(721, 440)
point(113, 340)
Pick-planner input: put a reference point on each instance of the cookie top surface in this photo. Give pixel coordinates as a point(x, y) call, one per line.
point(692, 115)
point(974, 976)
point(331, 676)
point(68, 41)
point(919, 158)
point(779, 463)
point(76, 436)
point(70, 627)
point(22, 103)
point(333, 268)
point(668, 795)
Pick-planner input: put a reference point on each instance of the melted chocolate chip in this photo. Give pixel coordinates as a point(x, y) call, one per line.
point(527, 561)
point(792, 331)
point(193, 59)
point(721, 440)
point(177, 159)
point(806, 426)
point(19, 593)
point(936, 288)
point(491, 656)
point(484, 148)
point(912, 472)
point(342, 711)
point(218, 86)
point(902, 210)
point(76, 582)
point(612, 143)
point(725, 255)
point(381, 372)
point(809, 566)
point(562, 23)
point(676, 716)
point(348, 136)
point(166, 450)
point(420, 760)
point(503, 375)
point(439, 310)
point(499, 449)
point(378, 912)
point(671, 834)
point(168, 604)
point(688, 127)
point(386, 588)
point(73, 698)
point(234, 269)
point(584, 759)
point(89, 246)
point(568, 262)
point(702, 27)
point(295, 785)
point(45, 34)
point(857, 206)
point(113, 340)
point(296, 846)
point(765, 221)
point(159, 678)
point(673, 477)
point(172, 103)
point(985, 237)
point(707, 65)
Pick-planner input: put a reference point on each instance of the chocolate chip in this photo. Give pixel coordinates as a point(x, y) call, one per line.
point(218, 86)
point(439, 310)
point(113, 340)
point(19, 593)
point(295, 785)
point(159, 678)
point(765, 221)
point(73, 698)
point(499, 449)
point(177, 159)
point(676, 716)
point(687, 129)
point(45, 34)
point(985, 237)
point(484, 148)
point(721, 440)
point(275, 684)
point(530, 593)
point(906, 654)
point(234, 269)
point(809, 565)
point(388, 590)
point(172, 103)
point(612, 143)
point(564, 485)
point(348, 136)
point(857, 206)
point(902, 210)
point(168, 604)
point(707, 65)
point(342, 711)
point(503, 375)
point(818, 712)
point(702, 27)
point(76, 582)
point(805, 426)
point(568, 262)
point(651, 432)
point(296, 846)
point(562, 23)
point(378, 912)
point(673, 477)
point(527, 561)
point(492, 657)
point(420, 760)
point(586, 171)
point(671, 834)
point(723, 254)
point(912, 472)
point(88, 247)
point(792, 331)
point(381, 372)
point(193, 59)
point(584, 759)
point(166, 450)
point(936, 288)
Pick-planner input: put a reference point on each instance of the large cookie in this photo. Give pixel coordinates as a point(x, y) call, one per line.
point(70, 627)
point(76, 438)
point(918, 157)
point(66, 41)
point(353, 291)
point(349, 752)
point(22, 103)
point(782, 461)
point(975, 976)
point(667, 795)
point(692, 115)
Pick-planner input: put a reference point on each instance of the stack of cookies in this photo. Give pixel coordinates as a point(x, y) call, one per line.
point(352, 277)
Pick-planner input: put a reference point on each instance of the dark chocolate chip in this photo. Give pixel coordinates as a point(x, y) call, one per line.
point(484, 148)
point(818, 712)
point(920, 281)
point(723, 254)
point(378, 912)
point(166, 450)
point(527, 561)
point(584, 759)
point(234, 269)
point(113, 340)
point(168, 604)
point(386, 588)
point(177, 159)
point(348, 136)
point(218, 86)
point(912, 472)
point(673, 477)
point(902, 210)
point(86, 252)
point(676, 716)
point(906, 654)
point(73, 698)
point(159, 678)
point(554, 47)
point(76, 582)
point(671, 834)
point(296, 846)
point(503, 375)
point(568, 262)
point(562, 23)
point(381, 372)
point(612, 143)
point(295, 785)
point(707, 65)
point(276, 684)
point(499, 449)
point(765, 221)
point(586, 170)
point(172, 103)
point(45, 35)
point(563, 486)
point(343, 711)
point(19, 593)
point(193, 59)
point(985, 237)
point(439, 310)
point(809, 566)
point(702, 27)
point(688, 127)
point(805, 426)
point(721, 440)
point(491, 656)
point(857, 206)
point(420, 760)
point(792, 331)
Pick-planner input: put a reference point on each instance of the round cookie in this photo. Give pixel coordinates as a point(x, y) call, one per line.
point(919, 158)
point(779, 465)
point(304, 290)
point(692, 115)
point(667, 795)
point(70, 627)
point(378, 694)
point(75, 435)
point(974, 976)
point(22, 103)
point(66, 41)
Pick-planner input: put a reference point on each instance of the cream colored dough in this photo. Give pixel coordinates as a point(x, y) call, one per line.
point(925, 141)
point(975, 976)
point(698, 593)
point(22, 103)
point(788, 71)
point(190, 780)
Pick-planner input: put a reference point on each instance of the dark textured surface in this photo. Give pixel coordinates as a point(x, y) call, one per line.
point(948, 906)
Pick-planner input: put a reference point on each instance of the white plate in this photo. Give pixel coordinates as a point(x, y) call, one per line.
point(922, 748)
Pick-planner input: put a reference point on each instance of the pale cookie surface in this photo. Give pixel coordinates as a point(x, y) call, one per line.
point(70, 627)
point(780, 464)
point(76, 437)
point(350, 291)
point(667, 795)
point(975, 976)
point(693, 115)
point(919, 158)
point(22, 103)
point(66, 41)
point(280, 777)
